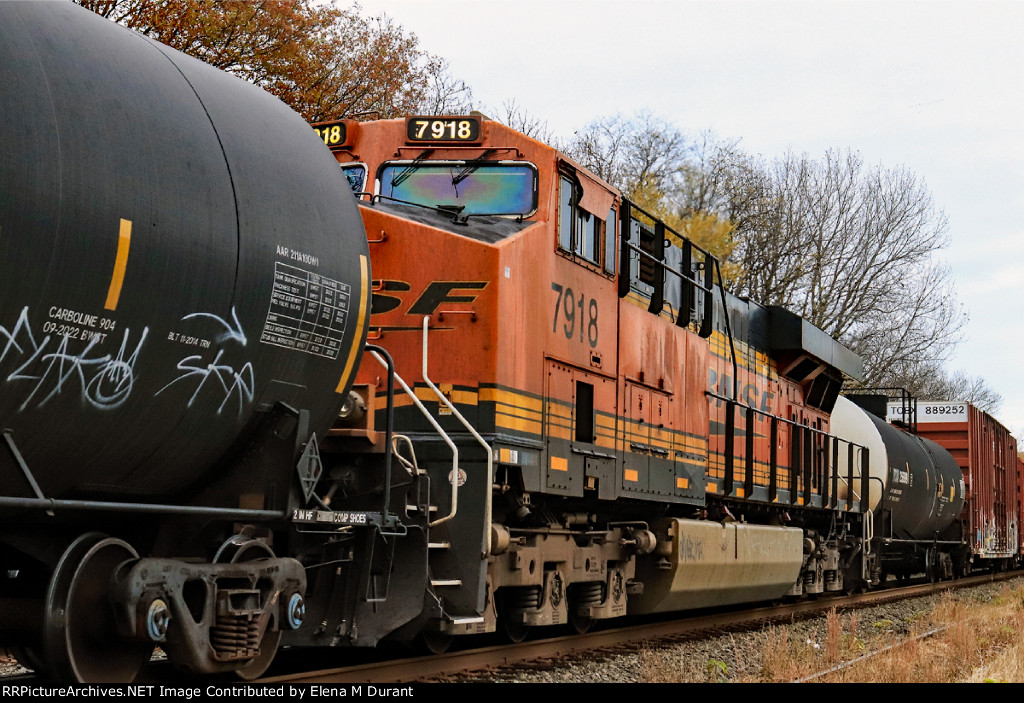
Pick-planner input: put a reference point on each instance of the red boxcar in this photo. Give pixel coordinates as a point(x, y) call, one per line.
point(987, 454)
point(1020, 506)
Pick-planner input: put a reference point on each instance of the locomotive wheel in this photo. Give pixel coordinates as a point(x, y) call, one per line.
point(580, 624)
point(237, 550)
point(80, 639)
point(515, 632)
point(435, 642)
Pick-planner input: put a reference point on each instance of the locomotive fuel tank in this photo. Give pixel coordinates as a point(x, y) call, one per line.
point(917, 482)
point(178, 251)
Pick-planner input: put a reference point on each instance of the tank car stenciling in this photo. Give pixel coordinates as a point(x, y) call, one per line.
point(222, 432)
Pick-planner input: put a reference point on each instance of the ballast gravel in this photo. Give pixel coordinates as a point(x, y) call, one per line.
point(726, 657)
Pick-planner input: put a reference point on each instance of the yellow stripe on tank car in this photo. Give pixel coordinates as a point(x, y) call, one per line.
point(364, 297)
point(124, 240)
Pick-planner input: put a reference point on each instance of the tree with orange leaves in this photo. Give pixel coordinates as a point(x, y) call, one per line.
point(323, 61)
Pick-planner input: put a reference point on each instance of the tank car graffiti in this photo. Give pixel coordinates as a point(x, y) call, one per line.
point(231, 382)
point(222, 377)
point(234, 332)
point(104, 382)
point(21, 327)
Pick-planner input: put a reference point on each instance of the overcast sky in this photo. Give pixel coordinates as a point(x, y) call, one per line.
point(934, 86)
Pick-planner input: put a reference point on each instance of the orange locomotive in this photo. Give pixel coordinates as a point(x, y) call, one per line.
point(598, 435)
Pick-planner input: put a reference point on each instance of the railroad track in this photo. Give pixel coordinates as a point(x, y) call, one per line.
point(371, 667)
point(452, 665)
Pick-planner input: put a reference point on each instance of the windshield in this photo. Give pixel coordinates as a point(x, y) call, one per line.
point(356, 175)
point(468, 187)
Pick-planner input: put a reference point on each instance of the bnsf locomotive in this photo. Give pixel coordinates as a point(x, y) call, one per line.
point(239, 410)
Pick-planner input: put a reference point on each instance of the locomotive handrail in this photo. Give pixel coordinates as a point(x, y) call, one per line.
point(657, 301)
point(444, 436)
point(729, 454)
point(728, 333)
point(710, 266)
point(386, 516)
point(468, 426)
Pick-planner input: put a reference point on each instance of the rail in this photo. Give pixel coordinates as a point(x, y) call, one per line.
point(476, 435)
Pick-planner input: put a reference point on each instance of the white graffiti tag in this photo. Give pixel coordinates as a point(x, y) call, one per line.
point(104, 382)
point(230, 382)
point(218, 376)
point(23, 328)
point(233, 333)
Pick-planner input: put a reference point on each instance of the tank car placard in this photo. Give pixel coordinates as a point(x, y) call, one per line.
point(931, 412)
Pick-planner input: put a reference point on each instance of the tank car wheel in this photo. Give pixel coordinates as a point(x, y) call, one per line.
point(240, 549)
point(80, 639)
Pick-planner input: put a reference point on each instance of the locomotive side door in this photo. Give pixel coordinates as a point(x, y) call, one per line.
point(579, 426)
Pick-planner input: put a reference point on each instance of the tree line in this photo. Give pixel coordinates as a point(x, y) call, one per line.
point(851, 247)
point(324, 61)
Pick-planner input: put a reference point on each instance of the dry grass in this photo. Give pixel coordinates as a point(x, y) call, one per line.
point(973, 640)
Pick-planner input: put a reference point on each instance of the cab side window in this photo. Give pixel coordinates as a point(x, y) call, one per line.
point(580, 232)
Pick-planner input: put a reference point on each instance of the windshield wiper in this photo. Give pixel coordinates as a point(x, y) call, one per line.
point(471, 166)
point(410, 169)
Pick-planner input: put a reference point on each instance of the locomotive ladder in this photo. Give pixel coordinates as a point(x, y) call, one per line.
point(436, 546)
point(440, 546)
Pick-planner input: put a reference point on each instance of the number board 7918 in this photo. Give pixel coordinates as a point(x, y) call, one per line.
point(442, 129)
